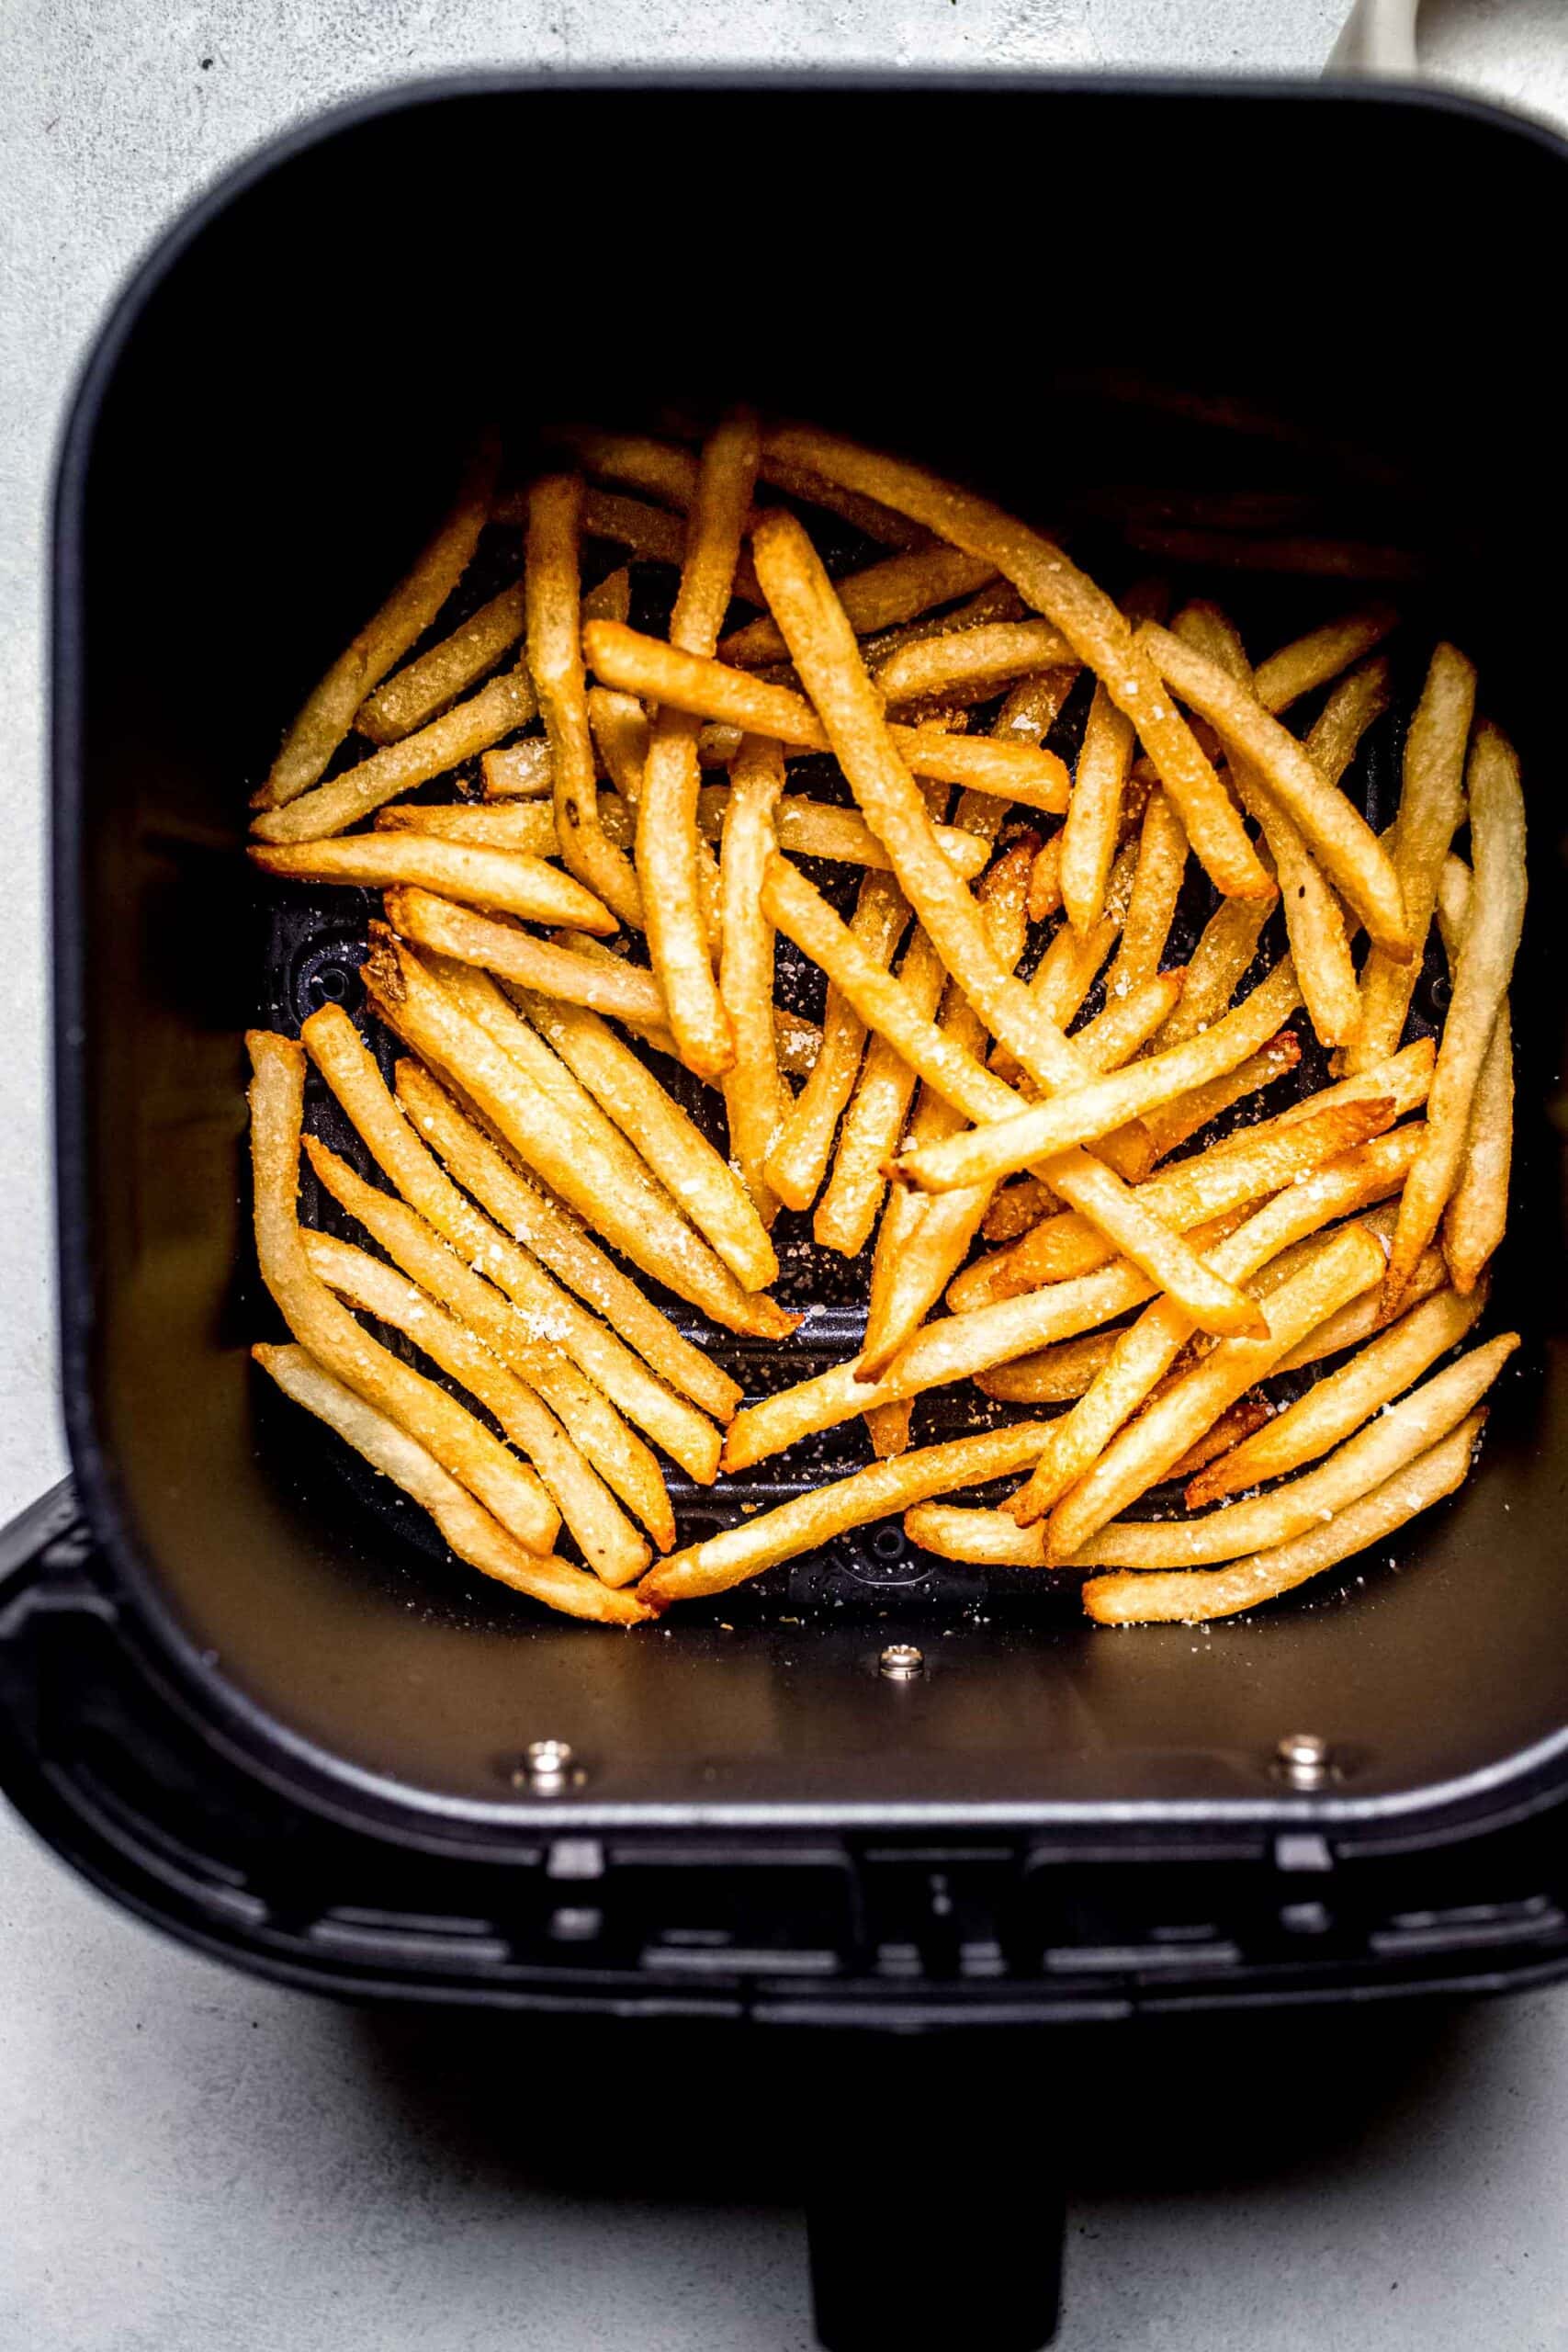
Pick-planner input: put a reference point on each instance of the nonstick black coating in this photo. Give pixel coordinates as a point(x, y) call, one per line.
point(1044, 289)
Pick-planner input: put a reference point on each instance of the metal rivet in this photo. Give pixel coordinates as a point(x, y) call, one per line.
point(547, 1766)
point(901, 1662)
point(1305, 1757)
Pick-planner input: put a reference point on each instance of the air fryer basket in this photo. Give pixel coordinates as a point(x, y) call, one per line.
point(1052, 289)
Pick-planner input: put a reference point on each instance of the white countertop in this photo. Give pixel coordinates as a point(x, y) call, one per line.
point(191, 2160)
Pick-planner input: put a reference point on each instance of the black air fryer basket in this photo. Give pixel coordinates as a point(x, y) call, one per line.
point(256, 1706)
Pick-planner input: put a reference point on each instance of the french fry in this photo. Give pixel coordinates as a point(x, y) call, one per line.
point(329, 710)
point(1013, 769)
point(1089, 1111)
point(1084, 614)
point(997, 602)
point(897, 589)
point(554, 649)
point(1477, 1212)
point(625, 990)
point(1172, 1125)
point(692, 1171)
point(969, 664)
point(413, 696)
point(1017, 1208)
point(507, 702)
point(619, 727)
point(1052, 1376)
point(667, 844)
point(657, 468)
point(1198, 1595)
point(1335, 1405)
point(1322, 655)
point(462, 1445)
point(587, 1162)
point(1431, 810)
point(504, 880)
point(1336, 733)
point(1092, 831)
point(1142, 1452)
point(756, 1099)
point(868, 514)
point(1364, 1316)
point(1156, 885)
point(1215, 970)
point(799, 911)
point(798, 1160)
point(610, 1545)
point(1247, 1414)
point(520, 771)
point(1035, 704)
point(468, 1530)
point(1127, 1023)
point(817, 828)
point(525, 828)
point(1337, 835)
point(889, 1428)
point(809, 1520)
point(1480, 988)
point(873, 1125)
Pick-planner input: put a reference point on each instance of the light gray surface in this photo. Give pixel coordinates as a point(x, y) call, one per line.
point(191, 2160)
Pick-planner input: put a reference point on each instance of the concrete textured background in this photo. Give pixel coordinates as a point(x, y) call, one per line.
point(192, 2160)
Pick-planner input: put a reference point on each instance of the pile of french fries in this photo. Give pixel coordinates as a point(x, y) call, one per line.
point(1037, 1196)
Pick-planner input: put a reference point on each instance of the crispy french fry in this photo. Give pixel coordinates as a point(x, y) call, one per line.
point(462, 1445)
point(897, 589)
point(1431, 810)
point(329, 710)
point(1338, 836)
point(873, 1124)
point(1035, 704)
point(1215, 970)
point(1480, 985)
point(868, 514)
point(756, 1100)
point(1014, 769)
point(997, 602)
point(610, 1545)
point(526, 828)
point(1092, 831)
point(956, 1073)
point(1086, 617)
point(888, 1426)
point(667, 842)
point(507, 702)
point(584, 1160)
point(1336, 733)
point(413, 696)
point(469, 1531)
point(1195, 1596)
point(520, 771)
point(1096, 1109)
point(1322, 655)
point(657, 468)
point(692, 1172)
point(625, 990)
point(1052, 1376)
point(619, 727)
point(555, 663)
point(510, 882)
point(798, 1160)
point(817, 828)
point(1156, 885)
point(1247, 1414)
point(975, 661)
point(1171, 1125)
point(1364, 1316)
point(1016, 1208)
point(1143, 1451)
point(1477, 1212)
point(815, 1519)
point(1335, 1405)
point(1127, 1023)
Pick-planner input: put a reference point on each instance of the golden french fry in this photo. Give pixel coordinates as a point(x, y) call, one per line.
point(507, 702)
point(1216, 968)
point(1247, 1414)
point(873, 1124)
point(1480, 988)
point(817, 828)
point(798, 1160)
point(611, 600)
point(648, 531)
point(560, 1131)
point(1013, 769)
point(868, 514)
point(512, 883)
point(692, 1171)
point(1092, 832)
point(408, 612)
point(1323, 654)
point(625, 990)
point(815, 1519)
point(897, 589)
point(1172, 1125)
point(979, 661)
point(1089, 1111)
point(1198, 1595)
point(1142, 1452)
point(1337, 732)
point(1086, 617)
point(1336, 833)
point(1156, 885)
point(1365, 1317)
point(1035, 704)
point(756, 1100)
point(1017, 1208)
point(1477, 1212)
point(1053, 1375)
point(1431, 810)
point(989, 1538)
point(553, 646)
point(469, 1531)
point(1127, 1023)
point(657, 468)
point(619, 727)
point(1335, 1405)
point(667, 843)
point(610, 1545)
point(525, 828)
point(462, 1445)
point(413, 696)
point(997, 602)
point(888, 1427)
point(521, 771)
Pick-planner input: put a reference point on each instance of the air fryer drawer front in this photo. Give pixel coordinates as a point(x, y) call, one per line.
point(916, 1925)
